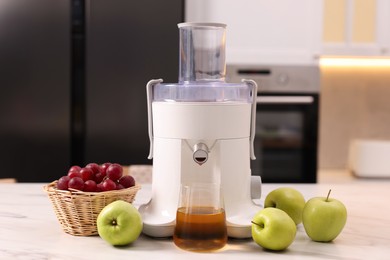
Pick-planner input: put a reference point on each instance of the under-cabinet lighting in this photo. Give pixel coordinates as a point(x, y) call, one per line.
point(355, 62)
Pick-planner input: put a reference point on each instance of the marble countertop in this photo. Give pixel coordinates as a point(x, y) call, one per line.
point(29, 228)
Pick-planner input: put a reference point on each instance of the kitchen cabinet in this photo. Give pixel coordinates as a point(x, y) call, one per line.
point(265, 32)
point(356, 27)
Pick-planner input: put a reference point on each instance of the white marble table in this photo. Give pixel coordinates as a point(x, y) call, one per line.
point(29, 229)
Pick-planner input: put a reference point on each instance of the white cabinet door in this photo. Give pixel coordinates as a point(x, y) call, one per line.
point(356, 27)
point(264, 31)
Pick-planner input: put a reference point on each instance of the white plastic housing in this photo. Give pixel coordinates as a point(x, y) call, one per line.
point(225, 128)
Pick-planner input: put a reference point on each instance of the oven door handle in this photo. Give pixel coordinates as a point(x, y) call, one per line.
point(284, 99)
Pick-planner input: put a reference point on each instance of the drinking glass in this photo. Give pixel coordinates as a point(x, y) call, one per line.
point(200, 218)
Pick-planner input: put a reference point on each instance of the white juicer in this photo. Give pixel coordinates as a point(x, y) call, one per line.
point(201, 130)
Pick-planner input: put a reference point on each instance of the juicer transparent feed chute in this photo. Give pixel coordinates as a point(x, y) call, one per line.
point(201, 131)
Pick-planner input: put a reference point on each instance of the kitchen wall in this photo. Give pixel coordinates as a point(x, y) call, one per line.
point(355, 103)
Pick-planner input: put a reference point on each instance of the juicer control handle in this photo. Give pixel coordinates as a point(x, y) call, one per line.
point(252, 83)
point(149, 98)
point(255, 187)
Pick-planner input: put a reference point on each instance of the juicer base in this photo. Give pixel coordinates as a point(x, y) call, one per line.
point(158, 231)
point(163, 231)
point(235, 231)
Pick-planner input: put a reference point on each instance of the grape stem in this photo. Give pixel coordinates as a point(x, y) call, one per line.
point(327, 197)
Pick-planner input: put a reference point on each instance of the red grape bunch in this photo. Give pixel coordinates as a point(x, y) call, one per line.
point(96, 178)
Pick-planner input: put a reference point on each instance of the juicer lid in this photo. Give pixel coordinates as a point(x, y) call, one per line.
point(202, 68)
point(214, 91)
point(201, 24)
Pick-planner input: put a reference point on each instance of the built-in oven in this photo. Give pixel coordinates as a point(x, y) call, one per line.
point(286, 141)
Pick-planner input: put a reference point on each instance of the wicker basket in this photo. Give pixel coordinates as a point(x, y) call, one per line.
point(77, 211)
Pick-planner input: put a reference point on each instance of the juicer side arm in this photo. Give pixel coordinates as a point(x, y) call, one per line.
point(149, 98)
point(252, 83)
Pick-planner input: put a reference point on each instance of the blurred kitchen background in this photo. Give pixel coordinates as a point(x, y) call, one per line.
point(73, 76)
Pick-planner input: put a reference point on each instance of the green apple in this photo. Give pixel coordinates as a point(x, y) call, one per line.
point(119, 223)
point(273, 229)
point(287, 199)
point(324, 218)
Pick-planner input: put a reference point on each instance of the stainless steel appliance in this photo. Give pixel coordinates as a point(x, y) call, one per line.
point(72, 76)
point(286, 140)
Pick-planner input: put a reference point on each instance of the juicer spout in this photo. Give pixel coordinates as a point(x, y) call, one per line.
point(201, 153)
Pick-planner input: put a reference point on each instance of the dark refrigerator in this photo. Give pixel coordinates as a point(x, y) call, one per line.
point(72, 81)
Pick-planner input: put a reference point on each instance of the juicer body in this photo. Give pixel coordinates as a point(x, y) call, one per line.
point(175, 129)
point(201, 130)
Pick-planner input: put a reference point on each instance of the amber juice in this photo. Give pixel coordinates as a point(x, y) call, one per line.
point(200, 229)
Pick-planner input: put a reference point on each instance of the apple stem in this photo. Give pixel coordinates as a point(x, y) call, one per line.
point(327, 197)
point(257, 224)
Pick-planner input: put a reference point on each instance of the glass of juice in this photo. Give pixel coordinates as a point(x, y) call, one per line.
point(200, 218)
